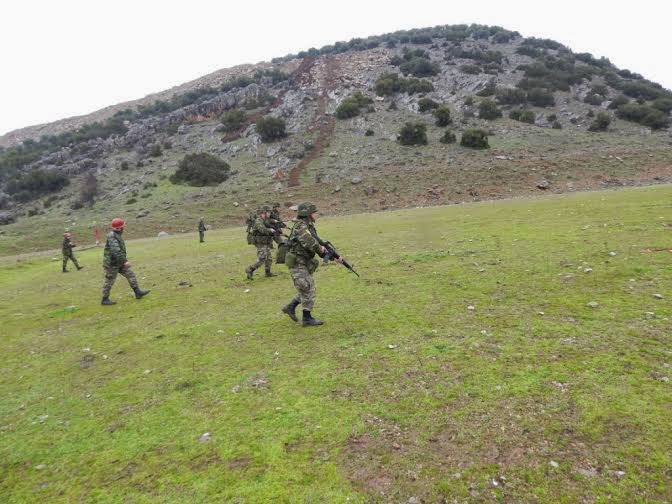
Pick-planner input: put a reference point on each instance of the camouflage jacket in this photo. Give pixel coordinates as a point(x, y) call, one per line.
point(67, 246)
point(263, 234)
point(304, 242)
point(201, 225)
point(276, 220)
point(114, 255)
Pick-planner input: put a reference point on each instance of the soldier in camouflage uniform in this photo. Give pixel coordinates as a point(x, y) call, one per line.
point(115, 262)
point(276, 222)
point(262, 238)
point(304, 244)
point(201, 229)
point(68, 253)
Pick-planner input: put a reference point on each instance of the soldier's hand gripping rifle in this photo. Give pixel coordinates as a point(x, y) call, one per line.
point(332, 255)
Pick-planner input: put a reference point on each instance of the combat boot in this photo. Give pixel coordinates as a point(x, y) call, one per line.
point(269, 273)
point(107, 302)
point(65, 270)
point(308, 319)
point(140, 293)
point(290, 310)
point(80, 267)
point(249, 271)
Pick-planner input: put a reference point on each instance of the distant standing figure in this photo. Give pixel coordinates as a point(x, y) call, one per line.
point(262, 238)
point(68, 253)
point(201, 229)
point(96, 234)
point(115, 261)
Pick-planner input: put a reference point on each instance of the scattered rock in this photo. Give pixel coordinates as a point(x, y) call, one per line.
point(588, 473)
point(618, 474)
point(588, 270)
point(184, 283)
point(391, 347)
point(205, 437)
point(162, 234)
point(658, 296)
point(6, 218)
point(142, 213)
point(612, 254)
point(356, 180)
point(258, 382)
point(235, 389)
point(471, 307)
point(543, 185)
point(413, 500)
point(39, 467)
point(649, 315)
point(553, 463)
point(236, 204)
point(333, 154)
point(593, 304)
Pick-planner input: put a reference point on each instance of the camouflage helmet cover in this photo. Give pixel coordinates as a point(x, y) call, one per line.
point(265, 208)
point(306, 209)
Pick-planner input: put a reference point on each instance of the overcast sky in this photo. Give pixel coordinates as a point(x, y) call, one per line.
point(69, 57)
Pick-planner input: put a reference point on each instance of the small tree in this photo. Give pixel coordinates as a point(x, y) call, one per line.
point(413, 133)
point(155, 150)
point(487, 109)
point(89, 189)
point(442, 116)
point(601, 122)
point(200, 170)
point(425, 104)
point(233, 120)
point(475, 139)
point(271, 128)
point(448, 138)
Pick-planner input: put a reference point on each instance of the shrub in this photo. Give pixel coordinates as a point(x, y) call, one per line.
point(526, 116)
point(233, 120)
point(393, 106)
point(419, 67)
point(130, 201)
point(155, 150)
point(642, 89)
point(556, 125)
point(601, 122)
point(200, 170)
point(593, 99)
point(475, 139)
point(643, 114)
point(470, 69)
point(552, 117)
point(663, 104)
point(413, 133)
point(590, 114)
point(469, 101)
point(124, 165)
point(36, 183)
point(488, 90)
point(350, 107)
point(271, 128)
point(487, 109)
point(509, 96)
point(540, 98)
point(167, 145)
point(425, 104)
point(448, 137)
point(618, 102)
point(390, 83)
point(442, 116)
point(369, 132)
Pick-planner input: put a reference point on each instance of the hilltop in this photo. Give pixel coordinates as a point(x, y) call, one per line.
point(554, 121)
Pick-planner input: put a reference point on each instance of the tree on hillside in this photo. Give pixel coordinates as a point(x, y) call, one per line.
point(271, 128)
point(200, 170)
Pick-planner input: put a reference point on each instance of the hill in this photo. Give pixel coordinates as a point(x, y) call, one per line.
point(465, 364)
point(555, 121)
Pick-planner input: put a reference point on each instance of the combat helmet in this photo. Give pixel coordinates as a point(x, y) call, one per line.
point(306, 209)
point(265, 208)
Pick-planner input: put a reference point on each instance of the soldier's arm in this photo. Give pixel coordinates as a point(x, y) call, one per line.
point(117, 255)
point(260, 228)
point(309, 242)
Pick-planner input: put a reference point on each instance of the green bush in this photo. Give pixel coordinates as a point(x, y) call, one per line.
point(593, 99)
point(540, 98)
point(526, 116)
point(470, 69)
point(155, 150)
point(489, 89)
point(419, 67)
point(448, 137)
point(271, 128)
point(233, 120)
point(442, 116)
point(475, 139)
point(413, 133)
point(643, 114)
point(487, 109)
point(200, 170)
point(390, 83)
point(89, 189)
point(663, 104)
point(642, 89)
point(36, 183)
point(350, 106)
point(552, 117)
point(425, 104)
point(601, 122)
point(369, 132)
point(124, 165)
point(619, 101)
point(130, 201)
point(469, 101)
point(556, 125)
point(509, 96)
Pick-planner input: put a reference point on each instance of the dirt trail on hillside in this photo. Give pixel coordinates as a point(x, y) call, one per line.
point(323, 124)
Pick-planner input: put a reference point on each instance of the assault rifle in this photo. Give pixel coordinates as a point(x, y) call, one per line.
point(332, 254)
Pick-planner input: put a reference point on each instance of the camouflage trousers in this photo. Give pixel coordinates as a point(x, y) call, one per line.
point(305, 285)
point(111, 276)
point(264, 257)
point(71, 257)
point(201, 235)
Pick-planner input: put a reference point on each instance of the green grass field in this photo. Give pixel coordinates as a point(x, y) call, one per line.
point(465, 365)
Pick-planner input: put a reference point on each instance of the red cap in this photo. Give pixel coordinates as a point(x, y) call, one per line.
point(117, 223)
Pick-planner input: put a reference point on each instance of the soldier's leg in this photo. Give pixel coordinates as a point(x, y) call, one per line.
point(201, 234)
point(268, 260)
point(74, 260)
point(260, 258)
point(130, 276)
point(110, 275)
point(305, 286)
point(65, 263)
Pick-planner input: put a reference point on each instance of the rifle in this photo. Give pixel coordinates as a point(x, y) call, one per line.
point(333, 254)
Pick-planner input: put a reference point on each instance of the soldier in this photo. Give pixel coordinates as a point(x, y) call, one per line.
point(304, 244)
point(277, 224)
point(68, 253)
point(261, 237)
point(115, 261)
point(201, 229)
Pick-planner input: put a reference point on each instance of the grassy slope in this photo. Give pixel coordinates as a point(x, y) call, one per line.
point(404, 392)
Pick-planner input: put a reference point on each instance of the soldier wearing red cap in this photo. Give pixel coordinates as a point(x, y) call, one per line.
point(115, 261)
point(68, 253)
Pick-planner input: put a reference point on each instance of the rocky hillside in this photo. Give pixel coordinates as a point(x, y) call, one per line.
point(330, 124)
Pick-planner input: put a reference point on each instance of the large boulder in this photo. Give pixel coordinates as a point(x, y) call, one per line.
point(6, 218)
